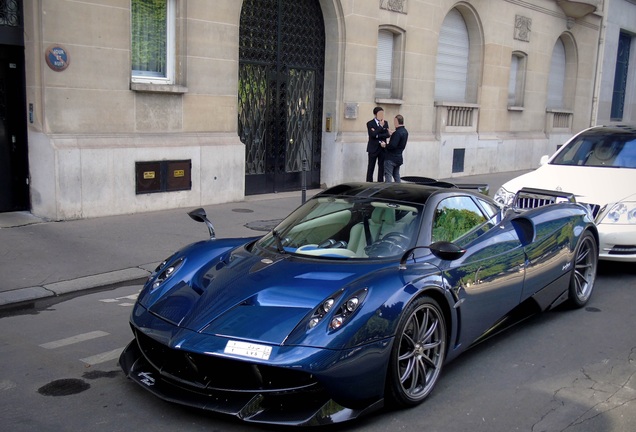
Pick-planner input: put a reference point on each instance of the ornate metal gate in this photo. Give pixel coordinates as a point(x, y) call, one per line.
point(281, 68)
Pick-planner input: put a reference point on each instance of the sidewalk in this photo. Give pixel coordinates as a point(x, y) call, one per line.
point(41, 259)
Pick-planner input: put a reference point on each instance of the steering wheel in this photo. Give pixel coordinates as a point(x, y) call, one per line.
point(398, 235)
point(393, 243)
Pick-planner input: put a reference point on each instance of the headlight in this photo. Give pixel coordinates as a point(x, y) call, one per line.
point(621, 213)
point(339, 315)
point(165, 270)
point(504, 197)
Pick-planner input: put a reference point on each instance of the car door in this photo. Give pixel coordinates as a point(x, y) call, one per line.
point(488, 278)
point(550, 254)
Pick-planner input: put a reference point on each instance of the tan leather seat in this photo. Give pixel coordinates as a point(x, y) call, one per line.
point(382, 221)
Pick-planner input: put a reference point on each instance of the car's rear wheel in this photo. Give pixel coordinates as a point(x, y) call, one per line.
point(418, 353)
point(584, 272)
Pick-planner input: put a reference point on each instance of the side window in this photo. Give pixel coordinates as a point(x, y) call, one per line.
point(153, 41)
point(456, 217)
point(492, 211)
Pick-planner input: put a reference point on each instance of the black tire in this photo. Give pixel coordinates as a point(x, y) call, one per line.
point(418, 353)
point(584, 272)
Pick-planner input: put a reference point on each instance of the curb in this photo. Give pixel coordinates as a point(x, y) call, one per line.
point(56, 289)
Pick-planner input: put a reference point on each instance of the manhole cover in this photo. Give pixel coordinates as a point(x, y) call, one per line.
point(266, 225)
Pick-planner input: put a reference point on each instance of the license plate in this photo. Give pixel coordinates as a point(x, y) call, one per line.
point(248, 350)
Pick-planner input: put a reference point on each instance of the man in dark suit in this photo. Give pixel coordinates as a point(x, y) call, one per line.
point(378, 131)
point(394, 149)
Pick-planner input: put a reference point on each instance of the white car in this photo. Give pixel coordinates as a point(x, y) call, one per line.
point(597, 166)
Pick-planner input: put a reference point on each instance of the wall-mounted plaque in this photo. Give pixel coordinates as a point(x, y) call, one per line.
point(57, 58)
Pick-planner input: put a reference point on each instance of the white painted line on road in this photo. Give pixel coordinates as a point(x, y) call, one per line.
point(126, 304)
point(74, 339)
point(116, 300)
point(103, 357)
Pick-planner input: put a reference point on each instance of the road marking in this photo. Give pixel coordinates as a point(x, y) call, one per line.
point(74, 339)
point(103, 357)
point(119, 299)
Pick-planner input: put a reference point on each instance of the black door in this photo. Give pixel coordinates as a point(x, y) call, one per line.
point(281, 69)
point(14, 187)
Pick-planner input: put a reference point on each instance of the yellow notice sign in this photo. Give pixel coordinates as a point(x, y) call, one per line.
point(179, 173)
point(149, 175)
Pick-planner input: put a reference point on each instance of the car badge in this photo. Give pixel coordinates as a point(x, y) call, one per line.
point(559, 188)
point(266, 261)
point(146, 378)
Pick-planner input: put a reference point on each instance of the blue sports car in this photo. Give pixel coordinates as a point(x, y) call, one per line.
point(353, 302)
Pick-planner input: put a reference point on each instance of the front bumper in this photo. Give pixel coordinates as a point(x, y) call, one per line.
point(304, 406)
point(296, 385)
point(617, 242)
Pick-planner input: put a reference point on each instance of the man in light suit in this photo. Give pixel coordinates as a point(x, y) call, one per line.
point(378, 131)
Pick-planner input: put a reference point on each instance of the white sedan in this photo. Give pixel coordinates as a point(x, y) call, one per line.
point(597, 166)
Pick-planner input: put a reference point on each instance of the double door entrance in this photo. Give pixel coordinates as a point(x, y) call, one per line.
point(281, 69)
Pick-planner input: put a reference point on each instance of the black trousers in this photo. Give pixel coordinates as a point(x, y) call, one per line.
point(373, 158)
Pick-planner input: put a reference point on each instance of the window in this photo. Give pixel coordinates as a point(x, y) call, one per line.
point(517, 82)
point(389, 61)
point(153, 41)
point(556, 80)
point(620, 76)
point(455, 217)
point(451, 70)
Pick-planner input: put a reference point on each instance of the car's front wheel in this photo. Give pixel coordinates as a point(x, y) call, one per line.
point(584, 272)
point(418, 353)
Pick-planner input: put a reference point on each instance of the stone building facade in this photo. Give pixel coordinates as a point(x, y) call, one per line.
point(262, 96)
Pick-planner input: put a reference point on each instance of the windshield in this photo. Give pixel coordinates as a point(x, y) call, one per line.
point(338, 228)
point(606, 149)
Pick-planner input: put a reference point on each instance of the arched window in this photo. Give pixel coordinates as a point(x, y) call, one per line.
point(451, 70)
point(556, 80)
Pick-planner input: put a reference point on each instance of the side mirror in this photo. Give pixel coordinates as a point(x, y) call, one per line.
point(447, 250)
point(442, 249)
point(199, 215)
point(544, 159)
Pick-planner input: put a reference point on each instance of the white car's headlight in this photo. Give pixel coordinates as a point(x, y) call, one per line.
point(504, 197)
point(621, 213)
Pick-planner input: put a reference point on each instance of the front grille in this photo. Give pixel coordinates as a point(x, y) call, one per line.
point(532, 202)
point(594, 208)
point(203, 372)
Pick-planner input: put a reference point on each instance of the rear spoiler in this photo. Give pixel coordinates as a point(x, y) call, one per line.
point(482, 188)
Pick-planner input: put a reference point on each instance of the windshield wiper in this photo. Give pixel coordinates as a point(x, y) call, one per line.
point(279, 242)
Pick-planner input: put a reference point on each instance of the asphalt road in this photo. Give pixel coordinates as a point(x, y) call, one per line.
point(564, 370)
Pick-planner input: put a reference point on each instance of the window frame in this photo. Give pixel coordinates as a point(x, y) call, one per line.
point(169, 78)
point(463, 200)
point(396, 78)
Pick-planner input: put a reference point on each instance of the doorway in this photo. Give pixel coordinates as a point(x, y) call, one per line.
point(281, 75)
point(14, 171)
